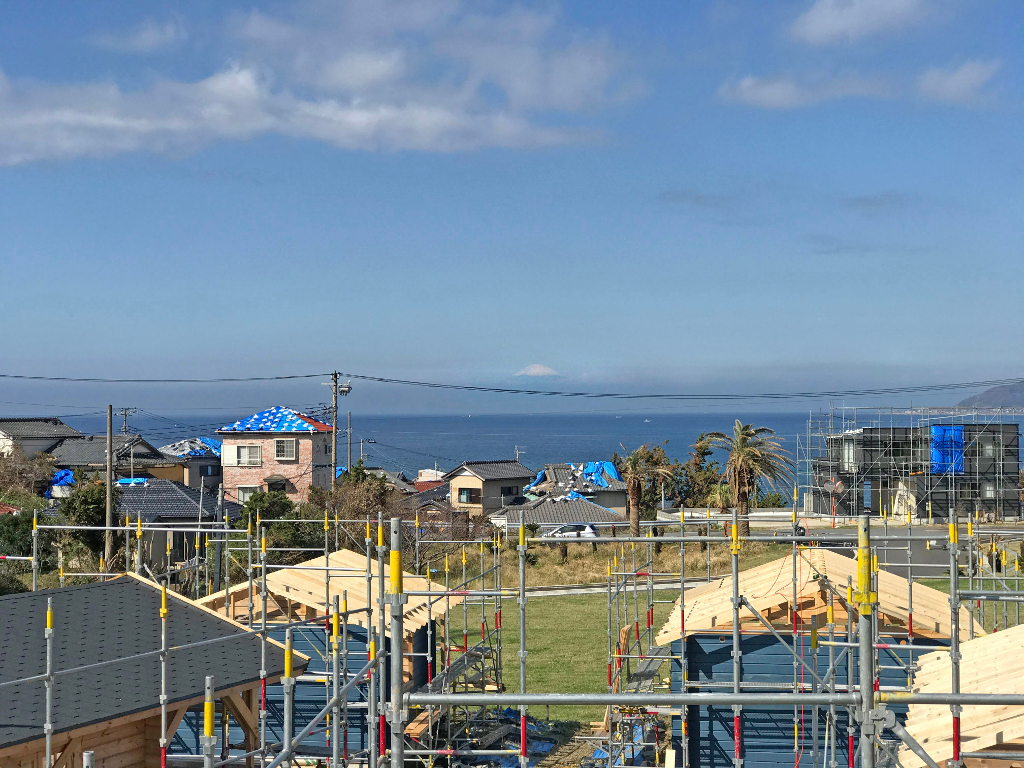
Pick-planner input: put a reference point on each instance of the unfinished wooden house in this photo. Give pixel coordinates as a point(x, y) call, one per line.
point(776, 619)
point(114, 710)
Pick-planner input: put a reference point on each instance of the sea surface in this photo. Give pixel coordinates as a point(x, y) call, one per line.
point(409, 443)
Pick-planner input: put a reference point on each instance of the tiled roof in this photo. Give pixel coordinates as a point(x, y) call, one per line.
point(91, 451)
point(567, 477)
point(558, 510)
point(506, 469)
point(104, 621)
point(277, 419)
point(37, 427)
point(163, 499)
point(193, 446)
point(437, 493)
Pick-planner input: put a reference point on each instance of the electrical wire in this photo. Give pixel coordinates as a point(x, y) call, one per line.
point(839, 393)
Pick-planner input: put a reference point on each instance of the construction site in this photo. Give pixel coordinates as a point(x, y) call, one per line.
point(395, 653)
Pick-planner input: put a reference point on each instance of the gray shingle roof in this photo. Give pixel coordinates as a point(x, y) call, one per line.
point(555, 510)
point(91, 451)
point(505, 469)
point(105, 621)
point(563, 475)
point(164, 499)
point(37, 427)
point(437, 493)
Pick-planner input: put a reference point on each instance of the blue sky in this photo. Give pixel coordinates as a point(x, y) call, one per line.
point(719, 196)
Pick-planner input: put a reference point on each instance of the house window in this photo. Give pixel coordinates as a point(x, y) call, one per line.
point(989, 450)
point(250, 455)
point(510, 490)
point(285, 450)
point(848, 462)
point(245, 492)
point(988, 490)
point(469, 496)
point(281, 486)
point(209, 470)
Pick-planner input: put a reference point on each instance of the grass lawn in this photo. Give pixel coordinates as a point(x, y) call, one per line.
point(993, 612)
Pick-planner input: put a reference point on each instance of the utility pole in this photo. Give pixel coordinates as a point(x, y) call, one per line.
point(337, 389)
point(334, 431)
point(108, 536)
point(125, 413)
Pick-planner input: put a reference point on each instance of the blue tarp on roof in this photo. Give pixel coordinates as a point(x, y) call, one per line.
point(276, 419)
point(536, 481)
point(61, 477)
point(340, 471)
point(594, 472)
point(947, 449)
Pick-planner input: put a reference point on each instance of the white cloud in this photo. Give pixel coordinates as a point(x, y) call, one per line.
point(536, 369)
point(148, 36)
point(959, 85)
point(837, 21)
point(430, 76)
point(786, 93)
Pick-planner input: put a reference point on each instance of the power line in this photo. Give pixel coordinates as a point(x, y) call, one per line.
point(550, 393)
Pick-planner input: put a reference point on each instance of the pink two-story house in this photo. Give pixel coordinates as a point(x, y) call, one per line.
point(275, 450)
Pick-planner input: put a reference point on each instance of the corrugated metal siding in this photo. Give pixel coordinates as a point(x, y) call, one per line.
point(768, 733)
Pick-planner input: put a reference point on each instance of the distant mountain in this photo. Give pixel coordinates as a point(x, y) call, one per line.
point(1003, 396)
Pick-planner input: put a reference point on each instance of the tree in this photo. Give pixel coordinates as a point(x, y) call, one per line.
point(642, 470)
point(22, 480)
point(755, 456)
point(700, 475)
point(86, 505)
point(720, 496)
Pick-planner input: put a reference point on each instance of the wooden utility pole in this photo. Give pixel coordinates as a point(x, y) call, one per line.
point(108, 537)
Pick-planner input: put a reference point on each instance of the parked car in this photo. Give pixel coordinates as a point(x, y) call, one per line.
point(572, 531)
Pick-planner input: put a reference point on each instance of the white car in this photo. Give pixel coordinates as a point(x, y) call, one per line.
point(572, 531)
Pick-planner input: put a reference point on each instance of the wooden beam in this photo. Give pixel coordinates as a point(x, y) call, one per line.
point(67, 756)
point(245, 717)
point(173, 722)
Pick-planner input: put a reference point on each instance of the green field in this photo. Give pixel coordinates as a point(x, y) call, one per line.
point(997, 616)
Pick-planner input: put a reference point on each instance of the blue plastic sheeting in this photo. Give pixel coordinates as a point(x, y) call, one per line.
point(536, 481)
point(61, 477)
point(947, 449)
point(340, 471)
point(574, 495)
point(594, 472)
point(132, 481)
point(212, 446)
point(277, 419)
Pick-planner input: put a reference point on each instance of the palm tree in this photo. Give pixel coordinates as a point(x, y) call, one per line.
point(754, 455)
point(720, 496)
point(646, 463)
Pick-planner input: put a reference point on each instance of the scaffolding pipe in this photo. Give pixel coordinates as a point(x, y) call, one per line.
point(397, 599)
point(639, 700)
point(522, 644)
point(48, 725)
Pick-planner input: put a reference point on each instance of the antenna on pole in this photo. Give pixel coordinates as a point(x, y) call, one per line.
point(519, 449)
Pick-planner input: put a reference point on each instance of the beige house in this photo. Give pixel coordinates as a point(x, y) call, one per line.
point(275, 450)
point(482, 487)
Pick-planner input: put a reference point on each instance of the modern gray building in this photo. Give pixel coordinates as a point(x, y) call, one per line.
point(922, 470)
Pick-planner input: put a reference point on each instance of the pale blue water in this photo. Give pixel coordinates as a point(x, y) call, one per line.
point(413, 442)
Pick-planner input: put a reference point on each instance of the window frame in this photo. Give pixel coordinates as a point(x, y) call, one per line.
point(280, 442)
point(249, 489)
point(248, 462)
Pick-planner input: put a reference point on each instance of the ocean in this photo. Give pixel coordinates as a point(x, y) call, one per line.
point(409, 443)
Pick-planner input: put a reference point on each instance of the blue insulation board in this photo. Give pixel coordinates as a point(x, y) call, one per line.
point(767, 738)
point(310, 698)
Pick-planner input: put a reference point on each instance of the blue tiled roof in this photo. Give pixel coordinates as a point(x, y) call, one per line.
point(277, 419)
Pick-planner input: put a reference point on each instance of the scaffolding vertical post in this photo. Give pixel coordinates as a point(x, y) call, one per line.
point(138, 546)
point(163, 676)
point(35, 551)
point(48, 725)
point(737, 709)
point(954, 632)
point(88, 759)
point(263, 644)
point(344, 672)
point(397, 599)
point(371, 692)
point(522, 642)
point(336, 683)
point(208, 739)
point(248, 547)
point(382, 692)
point(850, 715)
point(288, 684)
point(865, 652)
point(682, 630)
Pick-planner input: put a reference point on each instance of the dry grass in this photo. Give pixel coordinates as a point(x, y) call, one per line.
point(585, 566)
